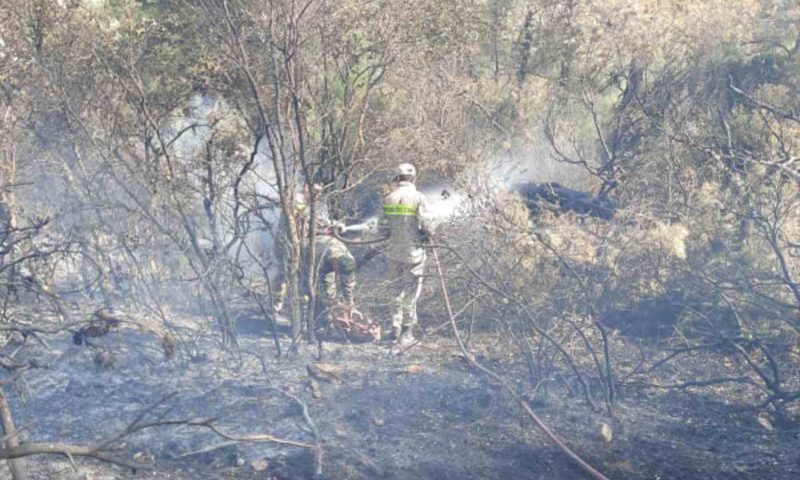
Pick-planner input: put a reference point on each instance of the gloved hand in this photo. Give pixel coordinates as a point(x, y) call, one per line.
point(426, 236)
point(346, 316)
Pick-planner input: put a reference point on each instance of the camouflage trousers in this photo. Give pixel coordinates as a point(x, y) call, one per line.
point(336, 268)
point(405, 288)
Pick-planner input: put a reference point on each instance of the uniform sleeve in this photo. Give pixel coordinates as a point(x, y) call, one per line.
point(383, 228)
point(424, 215)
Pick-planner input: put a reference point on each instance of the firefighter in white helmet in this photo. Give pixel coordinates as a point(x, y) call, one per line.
point(405, 226)
point(404, 223)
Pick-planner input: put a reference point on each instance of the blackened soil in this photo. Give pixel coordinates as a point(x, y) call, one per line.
point(422, 415)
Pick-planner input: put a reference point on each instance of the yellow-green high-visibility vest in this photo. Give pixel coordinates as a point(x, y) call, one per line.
point(400, 210)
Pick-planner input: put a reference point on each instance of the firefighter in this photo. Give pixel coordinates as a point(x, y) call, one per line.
point(336, 274)
point(406, 225)
point(282, 248)
point(334, 263)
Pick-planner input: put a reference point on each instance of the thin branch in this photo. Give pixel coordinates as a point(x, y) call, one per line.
point(594, 473)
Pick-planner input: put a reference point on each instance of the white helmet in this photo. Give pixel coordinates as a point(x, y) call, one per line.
point(406, 170)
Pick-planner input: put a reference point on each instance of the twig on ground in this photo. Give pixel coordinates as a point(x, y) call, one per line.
point(30, 449)
point(99, 451)
point(594, 473)
point(698, 383)
point(318, 452)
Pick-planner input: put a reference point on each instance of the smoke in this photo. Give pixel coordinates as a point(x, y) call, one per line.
point(533, 162)
point(207, 117)
point(478, 187)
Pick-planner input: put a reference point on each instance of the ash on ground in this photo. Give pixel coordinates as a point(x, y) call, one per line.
point(421, 415)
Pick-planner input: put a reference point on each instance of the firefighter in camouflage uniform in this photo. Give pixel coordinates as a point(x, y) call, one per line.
point(336, 270)
point(336, 267)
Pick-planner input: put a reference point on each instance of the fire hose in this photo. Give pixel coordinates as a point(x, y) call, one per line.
point(594, 473)
point(369, 256)
point(349, 241)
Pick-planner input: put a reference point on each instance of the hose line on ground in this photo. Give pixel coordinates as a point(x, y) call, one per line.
point(594, 473)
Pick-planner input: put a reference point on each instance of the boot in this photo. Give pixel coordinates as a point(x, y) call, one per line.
point(406, 338)
point(394, 334)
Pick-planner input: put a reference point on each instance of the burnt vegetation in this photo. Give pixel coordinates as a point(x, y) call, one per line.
point(613, 286)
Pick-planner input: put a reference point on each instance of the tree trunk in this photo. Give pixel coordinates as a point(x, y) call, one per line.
point(17, 465)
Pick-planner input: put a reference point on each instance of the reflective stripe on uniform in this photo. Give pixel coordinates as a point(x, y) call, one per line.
point(400, 209)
